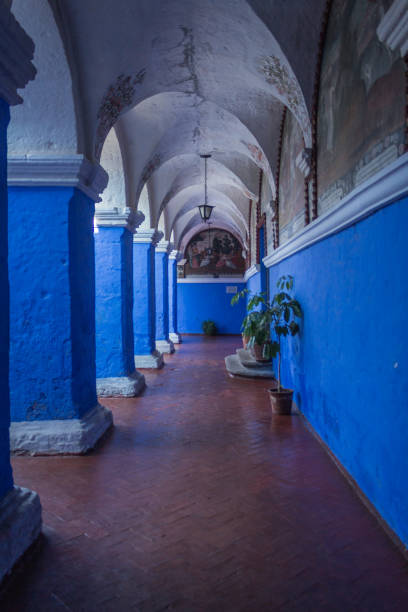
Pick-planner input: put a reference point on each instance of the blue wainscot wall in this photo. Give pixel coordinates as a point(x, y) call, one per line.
point(199, 301)
point(349, 368)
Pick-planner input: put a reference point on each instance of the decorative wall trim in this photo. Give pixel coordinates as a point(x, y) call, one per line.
point(258, 215)
point(57, 171)
point(208, 279)
point(147, 236)
point(393, 27)
point(303, 162)
point(164, 246)
point(384, 188)
point(315, 107)
point(250, 272)
point(277, 180)
point(16, 53)
point(128, 218)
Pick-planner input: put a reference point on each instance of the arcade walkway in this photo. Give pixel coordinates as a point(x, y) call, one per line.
point(199, 501)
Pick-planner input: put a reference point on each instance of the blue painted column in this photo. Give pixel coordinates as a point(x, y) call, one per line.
point(163, 342)
point(20, 508)
point(144, 305)
point(174, 336)
point(115, 367)
point(54, 407)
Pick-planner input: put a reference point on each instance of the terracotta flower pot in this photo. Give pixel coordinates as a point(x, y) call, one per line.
point(281, 401)
point(257, 352)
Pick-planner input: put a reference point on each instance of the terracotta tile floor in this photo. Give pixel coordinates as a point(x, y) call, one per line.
point(199, 500)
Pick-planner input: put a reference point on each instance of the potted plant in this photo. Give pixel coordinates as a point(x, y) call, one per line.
point(283, 310)
point(256, 326)
point(279, 315)
point(209, 328)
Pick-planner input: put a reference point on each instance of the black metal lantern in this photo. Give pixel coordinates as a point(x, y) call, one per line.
point(205, 209)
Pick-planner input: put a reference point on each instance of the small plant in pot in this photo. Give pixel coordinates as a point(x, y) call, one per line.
point(256, 326)
point(284, 310)
point(209, 328)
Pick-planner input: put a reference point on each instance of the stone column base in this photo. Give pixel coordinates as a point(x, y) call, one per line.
point(20, 526)
point(175, 337)
point(154, 360)
point(165, 346)
point(60, 436)
point(122, 386)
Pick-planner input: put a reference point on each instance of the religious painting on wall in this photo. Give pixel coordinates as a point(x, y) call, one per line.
point(361, 111)
point(214, 253)
point(291, 182)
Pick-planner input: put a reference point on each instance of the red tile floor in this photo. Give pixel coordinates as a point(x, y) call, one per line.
point(199, 500)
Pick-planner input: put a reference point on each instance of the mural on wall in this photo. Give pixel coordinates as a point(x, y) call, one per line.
point(215, 252)
point(362, 101)
point(291, 181)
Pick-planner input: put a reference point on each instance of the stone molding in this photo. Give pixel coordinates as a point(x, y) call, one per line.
point(16, 53)
point(208, 279)
point(127, 218)
point(147, 236)
point(393, 27)
point(384, 188)
point(121, 386)
point(57, 171)
point(165, 346)
point(164, 246)
point(254, 269)
point(60, 436)
point(304, 162)
point(20, 526)
point(153, 360)
point(174, 254)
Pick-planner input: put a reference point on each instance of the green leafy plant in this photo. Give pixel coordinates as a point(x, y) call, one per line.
point(209, 327)
point(279, 314)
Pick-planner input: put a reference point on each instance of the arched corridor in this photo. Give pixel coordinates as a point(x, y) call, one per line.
point(198, 500)
point(172, 170)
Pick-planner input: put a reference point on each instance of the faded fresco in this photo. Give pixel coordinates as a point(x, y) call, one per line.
point(361, 105)
point(216, 252)
point(291, 181)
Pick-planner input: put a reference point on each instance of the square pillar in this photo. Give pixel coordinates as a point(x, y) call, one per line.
point(54, 407)
point(163, 342)
point(20, 509)
point(115, 366)
point(174, 336)
point(144, 305)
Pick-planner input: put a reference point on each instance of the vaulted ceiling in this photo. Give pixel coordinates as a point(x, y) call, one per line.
point(158, 82)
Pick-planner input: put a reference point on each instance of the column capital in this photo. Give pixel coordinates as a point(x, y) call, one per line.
point(303, 162)
point(175, 255)
point(164, 246)
point(147, 236)
point(57, 171)
point(393, 27)
point(126, 217)
point(16, 53)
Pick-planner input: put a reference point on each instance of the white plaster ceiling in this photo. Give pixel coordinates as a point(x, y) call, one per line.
point(176, 78)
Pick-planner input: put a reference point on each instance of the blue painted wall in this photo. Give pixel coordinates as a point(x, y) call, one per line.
point(349, 368)
point(114, 302)
point(254, 285)
point(162, 295)
point(144, 305)
point(6, 479)
point(52, 298)
point(198, 302)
